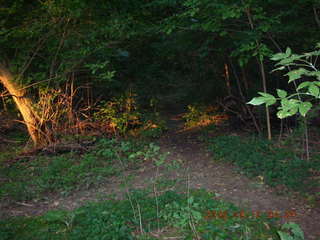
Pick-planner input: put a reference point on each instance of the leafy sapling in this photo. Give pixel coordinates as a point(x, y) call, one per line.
point(299, 66)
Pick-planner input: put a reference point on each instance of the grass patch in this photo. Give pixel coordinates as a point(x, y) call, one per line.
point(258, 157)
point(141, 215)
point(67, 172)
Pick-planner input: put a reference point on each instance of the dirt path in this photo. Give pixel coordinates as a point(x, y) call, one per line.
point(222, 178)
point(202, 171)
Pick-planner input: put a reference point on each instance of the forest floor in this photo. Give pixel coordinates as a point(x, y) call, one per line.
point(200, 171)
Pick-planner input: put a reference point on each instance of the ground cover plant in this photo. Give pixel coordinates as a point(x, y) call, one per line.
point(186, 216)
point(257, 157)
point(63, 173)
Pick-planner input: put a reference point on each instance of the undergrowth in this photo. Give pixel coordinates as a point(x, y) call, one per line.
point(199, 115)
point(124, 116)
point(30, 178)
point(143, 216)
point(260, 158)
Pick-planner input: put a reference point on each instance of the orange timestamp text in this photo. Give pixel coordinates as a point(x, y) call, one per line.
point(216, 214)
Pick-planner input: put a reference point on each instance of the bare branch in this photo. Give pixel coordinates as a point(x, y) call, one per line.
point(316, 16)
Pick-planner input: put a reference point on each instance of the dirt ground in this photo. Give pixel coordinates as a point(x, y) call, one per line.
point(197, 166)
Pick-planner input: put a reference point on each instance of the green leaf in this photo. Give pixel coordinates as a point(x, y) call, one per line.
point(287, 113)
point(285, 103)
point(314, 74)
point(303, 85)
point(285, 236)
point(278, 69)
point(304, 107)
point(283, 114)
point(271, 101)
point(296, 230)
point(266, 95)
point(278, 56)
point(288, 108)
point(268, 98)
point(293, 110)
point(314, 90)
point(257, 101)
point(289, 60)
point(288, 52)
point(296, 74)
point(281, 93)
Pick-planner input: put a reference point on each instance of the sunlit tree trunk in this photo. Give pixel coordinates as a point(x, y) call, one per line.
point(24, 104)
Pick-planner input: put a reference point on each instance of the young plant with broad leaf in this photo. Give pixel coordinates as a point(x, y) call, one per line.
point(305, 76)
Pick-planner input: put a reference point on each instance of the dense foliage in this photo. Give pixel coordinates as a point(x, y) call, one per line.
point(165, 52)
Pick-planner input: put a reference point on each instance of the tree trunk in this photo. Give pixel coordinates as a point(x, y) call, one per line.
point(263, 74)
point(227, 77)
point(264, 85)
point(23, 103)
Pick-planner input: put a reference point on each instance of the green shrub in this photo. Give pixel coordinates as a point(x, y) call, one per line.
point(122, 115)
point(119, 113)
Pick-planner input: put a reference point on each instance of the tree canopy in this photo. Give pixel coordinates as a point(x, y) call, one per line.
point(166, 50)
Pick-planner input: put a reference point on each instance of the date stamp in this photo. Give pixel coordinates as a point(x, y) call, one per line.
point(216, 214)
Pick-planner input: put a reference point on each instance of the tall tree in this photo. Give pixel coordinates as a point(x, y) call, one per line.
point(43, 42)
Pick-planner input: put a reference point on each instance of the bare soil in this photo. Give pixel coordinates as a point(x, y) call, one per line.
point(201, 171)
